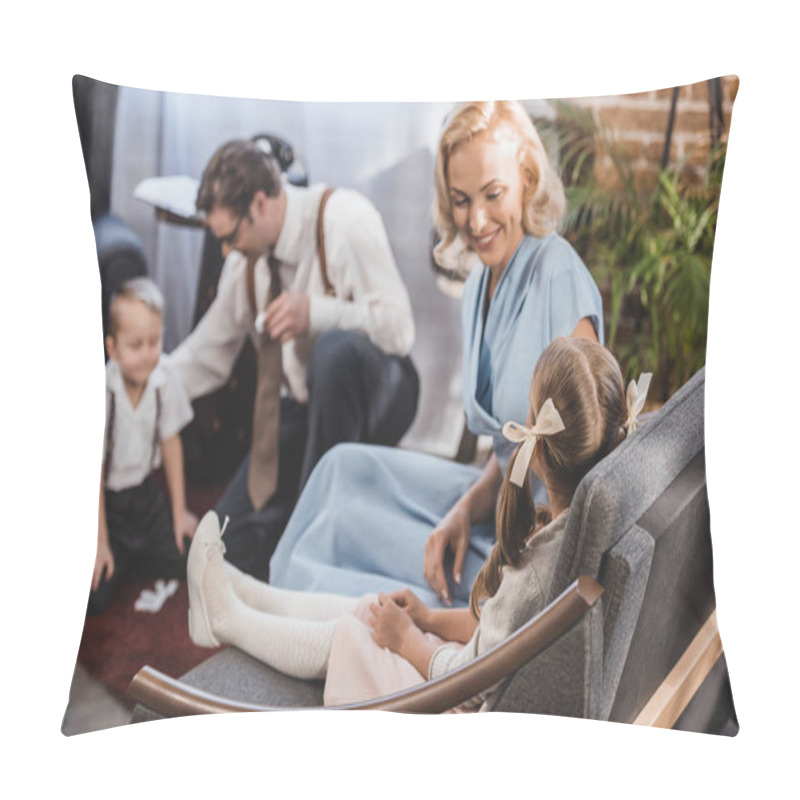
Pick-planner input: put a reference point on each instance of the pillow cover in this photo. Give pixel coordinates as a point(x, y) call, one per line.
point(642, 176)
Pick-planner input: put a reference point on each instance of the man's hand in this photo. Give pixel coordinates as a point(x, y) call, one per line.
point(184, 524)
point(453, 533)
point(103, 562)
point(287, 316)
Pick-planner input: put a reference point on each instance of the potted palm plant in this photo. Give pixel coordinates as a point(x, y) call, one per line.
point(649, 247)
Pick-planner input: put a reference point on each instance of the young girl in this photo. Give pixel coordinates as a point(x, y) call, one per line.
point(377, 645)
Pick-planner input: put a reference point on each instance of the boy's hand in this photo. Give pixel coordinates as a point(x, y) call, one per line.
point(184, 525)
point(103, 562)
point(390, 624)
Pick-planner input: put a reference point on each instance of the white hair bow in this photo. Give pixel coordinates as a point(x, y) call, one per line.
point(548, 422)
point(637, 394)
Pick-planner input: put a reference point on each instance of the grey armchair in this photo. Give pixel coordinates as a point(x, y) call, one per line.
point(629, 634)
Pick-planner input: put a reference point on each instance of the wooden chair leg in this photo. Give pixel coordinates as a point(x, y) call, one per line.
point(669, 701)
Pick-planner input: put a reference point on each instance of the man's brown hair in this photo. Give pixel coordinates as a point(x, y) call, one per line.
point(237, 171)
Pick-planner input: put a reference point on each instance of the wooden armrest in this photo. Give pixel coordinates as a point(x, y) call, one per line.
point(172, 698)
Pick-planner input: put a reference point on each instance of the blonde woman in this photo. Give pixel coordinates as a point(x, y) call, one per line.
point(381, 644)
point(372, 518)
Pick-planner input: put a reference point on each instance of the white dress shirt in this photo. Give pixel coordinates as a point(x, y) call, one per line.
point(370, 295)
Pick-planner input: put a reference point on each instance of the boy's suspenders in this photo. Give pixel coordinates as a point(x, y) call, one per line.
point(112, 413)
point(323, 264)
point(156, 437)
point(110, 419)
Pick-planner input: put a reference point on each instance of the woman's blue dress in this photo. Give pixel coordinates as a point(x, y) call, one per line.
point(364, 516)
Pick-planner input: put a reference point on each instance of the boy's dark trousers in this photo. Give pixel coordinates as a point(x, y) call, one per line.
point(141, 538)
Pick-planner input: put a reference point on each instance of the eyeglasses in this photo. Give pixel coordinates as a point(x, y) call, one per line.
point(229, 239)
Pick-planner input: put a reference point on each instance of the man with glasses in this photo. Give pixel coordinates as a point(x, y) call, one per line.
point(312, 271)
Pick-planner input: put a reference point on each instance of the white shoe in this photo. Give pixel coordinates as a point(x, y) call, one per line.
point(207, 539)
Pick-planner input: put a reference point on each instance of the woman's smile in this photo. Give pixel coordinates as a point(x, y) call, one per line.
point(486, 188)
point(485, 241)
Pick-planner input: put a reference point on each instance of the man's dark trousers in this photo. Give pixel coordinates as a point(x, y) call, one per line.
point(357, 393)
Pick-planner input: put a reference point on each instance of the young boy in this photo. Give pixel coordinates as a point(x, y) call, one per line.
point(146, 407)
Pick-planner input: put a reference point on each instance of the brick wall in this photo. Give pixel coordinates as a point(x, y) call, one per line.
point(639, 122)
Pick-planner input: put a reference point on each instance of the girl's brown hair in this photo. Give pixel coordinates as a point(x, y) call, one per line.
point(585, 384)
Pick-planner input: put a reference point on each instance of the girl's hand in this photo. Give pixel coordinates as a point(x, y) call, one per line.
point(414, 607)
point(184, 525)
point(390, 624)
point(103, 562)
point(451, 533)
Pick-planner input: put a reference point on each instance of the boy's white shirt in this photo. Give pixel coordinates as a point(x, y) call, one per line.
point(132, 457)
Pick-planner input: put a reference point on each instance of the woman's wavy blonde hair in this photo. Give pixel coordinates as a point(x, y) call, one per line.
point(543, 199)
point(585, 384)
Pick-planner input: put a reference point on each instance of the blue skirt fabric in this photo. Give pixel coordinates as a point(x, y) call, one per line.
point(366, 512)
point(363, 520)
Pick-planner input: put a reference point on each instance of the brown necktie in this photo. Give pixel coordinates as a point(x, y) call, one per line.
point(262, 478)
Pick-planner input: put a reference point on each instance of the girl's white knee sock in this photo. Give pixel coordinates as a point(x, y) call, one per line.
point(285, 602)
point(296, 647)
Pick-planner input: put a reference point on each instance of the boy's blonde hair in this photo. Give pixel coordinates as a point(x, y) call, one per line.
point(142, 289)
point(543, 200)
point(586, 386)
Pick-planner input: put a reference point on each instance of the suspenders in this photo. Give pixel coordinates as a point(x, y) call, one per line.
point(110, 419)
point(323, 264)
point(112, 413)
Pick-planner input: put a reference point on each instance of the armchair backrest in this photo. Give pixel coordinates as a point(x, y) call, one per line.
point(622, 487)
point(639, 524)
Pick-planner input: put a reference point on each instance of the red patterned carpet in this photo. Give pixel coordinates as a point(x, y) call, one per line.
point(118, 642)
